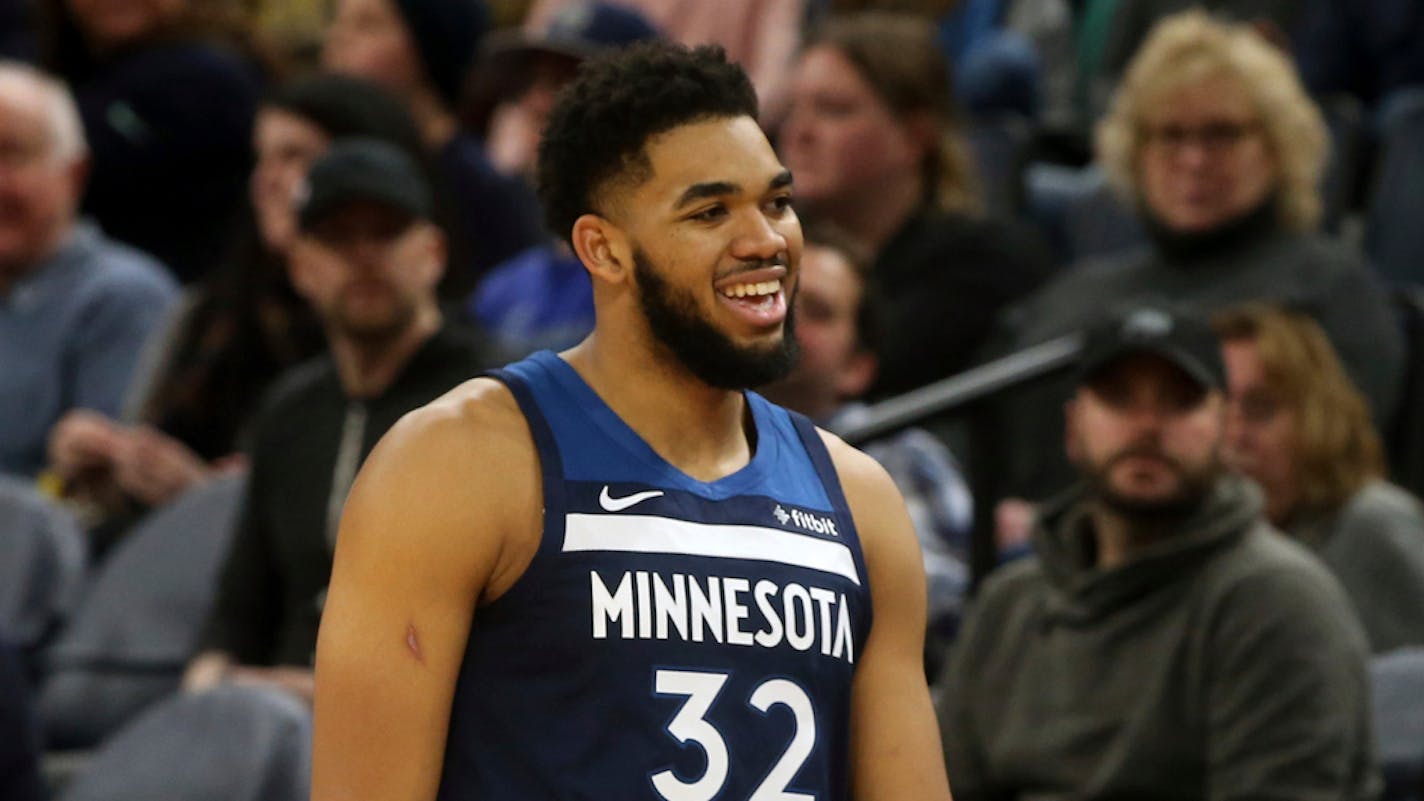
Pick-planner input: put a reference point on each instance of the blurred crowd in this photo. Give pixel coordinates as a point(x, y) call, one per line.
point(240, 238)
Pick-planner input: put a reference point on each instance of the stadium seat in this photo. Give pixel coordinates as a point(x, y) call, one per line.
point(1405, 437)
point(1344, 118)
point(231, 743)
point(1077, 212)
point(1398, 680)
point(136, 627)
point(1000, 145)
point(42, 564)
point(1394, 236)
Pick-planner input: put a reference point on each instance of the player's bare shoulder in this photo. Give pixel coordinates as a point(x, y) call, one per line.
point(862, 478)
point(874, 500)
point(473, 437)
point(460, 474)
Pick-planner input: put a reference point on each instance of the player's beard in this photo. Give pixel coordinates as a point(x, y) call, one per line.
point(698, 345)
point(1194, 483)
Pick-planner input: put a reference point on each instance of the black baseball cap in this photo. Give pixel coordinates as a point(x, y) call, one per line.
point(363, 169)
point(1182, 338)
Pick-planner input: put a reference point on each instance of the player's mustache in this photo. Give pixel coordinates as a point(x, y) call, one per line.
point(754, 265)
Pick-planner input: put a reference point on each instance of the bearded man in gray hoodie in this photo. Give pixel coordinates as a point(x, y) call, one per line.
point(1163, 642)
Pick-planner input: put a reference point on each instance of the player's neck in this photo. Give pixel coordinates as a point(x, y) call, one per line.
point(699, 429)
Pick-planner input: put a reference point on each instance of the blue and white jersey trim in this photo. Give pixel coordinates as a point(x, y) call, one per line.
point(661, 535)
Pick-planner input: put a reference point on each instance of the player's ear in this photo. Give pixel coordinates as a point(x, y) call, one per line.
point(602, 248)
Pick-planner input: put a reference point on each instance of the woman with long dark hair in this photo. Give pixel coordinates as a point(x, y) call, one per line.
point(874, 141)
point(239, 329)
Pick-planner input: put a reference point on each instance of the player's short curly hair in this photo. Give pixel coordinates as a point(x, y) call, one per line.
point(598, 129)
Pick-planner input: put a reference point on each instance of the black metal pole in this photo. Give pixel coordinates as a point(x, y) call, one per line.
point(971, 394)
point(961, 389)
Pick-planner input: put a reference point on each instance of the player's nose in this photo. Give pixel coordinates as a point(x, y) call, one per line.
point(759, 238)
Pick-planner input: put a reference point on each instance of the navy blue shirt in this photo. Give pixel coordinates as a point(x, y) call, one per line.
point(672, 638)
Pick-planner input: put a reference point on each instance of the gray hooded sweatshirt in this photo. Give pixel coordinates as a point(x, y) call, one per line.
point(1223, 662)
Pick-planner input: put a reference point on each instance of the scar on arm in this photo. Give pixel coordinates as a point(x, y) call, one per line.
point(413, 643)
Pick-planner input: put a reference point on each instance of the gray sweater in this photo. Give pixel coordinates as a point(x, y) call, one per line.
point(1374, 545)
point(1222, 663)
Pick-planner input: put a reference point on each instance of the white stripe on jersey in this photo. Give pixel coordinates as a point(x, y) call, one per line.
point(651, 534)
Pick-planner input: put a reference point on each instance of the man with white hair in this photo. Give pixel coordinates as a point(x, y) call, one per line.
point(75, 306)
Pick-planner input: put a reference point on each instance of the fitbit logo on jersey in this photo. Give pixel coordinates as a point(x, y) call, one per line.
point(805, 520)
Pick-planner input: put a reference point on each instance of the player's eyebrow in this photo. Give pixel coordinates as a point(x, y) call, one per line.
point(707, 189)
point(710, 189)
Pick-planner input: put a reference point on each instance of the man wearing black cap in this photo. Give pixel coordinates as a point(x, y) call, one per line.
point(367, 258)
point(1163, 642)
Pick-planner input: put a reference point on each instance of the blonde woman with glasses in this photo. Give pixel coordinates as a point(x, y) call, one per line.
point(1214, 143)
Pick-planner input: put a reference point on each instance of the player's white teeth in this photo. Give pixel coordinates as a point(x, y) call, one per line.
point(753, 290)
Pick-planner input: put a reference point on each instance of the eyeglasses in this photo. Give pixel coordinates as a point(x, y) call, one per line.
point(1214, 137)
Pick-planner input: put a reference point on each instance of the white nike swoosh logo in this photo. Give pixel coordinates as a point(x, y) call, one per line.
point(612, 504)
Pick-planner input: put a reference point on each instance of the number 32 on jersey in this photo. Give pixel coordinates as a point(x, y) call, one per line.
point(690, 725)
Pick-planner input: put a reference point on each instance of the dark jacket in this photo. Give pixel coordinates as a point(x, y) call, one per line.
point(1221, 663)
point(274, 581)
point(937, 287)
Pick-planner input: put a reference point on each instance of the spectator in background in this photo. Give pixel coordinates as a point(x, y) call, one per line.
point(542, 297)
point(525, 68)
point(996, 69)
point(75, 306)
point(295, 27)
point(421, 50)
point(20, 778)
point(872, 140)
point(1213, 140)
point(1164, 642)
point(1366, 48)
point(241, 327)
point(761, 37)
point(1127, 24)
point(367, 258)
point(1301, 430)
point(834, 326)
point(167, 101)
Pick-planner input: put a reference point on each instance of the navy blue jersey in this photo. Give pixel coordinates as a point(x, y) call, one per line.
point(672, 638)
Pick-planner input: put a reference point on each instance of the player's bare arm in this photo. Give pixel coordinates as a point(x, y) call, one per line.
point(425, 538)
point(895, 744)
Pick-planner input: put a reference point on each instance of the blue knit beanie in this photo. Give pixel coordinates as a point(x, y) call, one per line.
point(447, 34)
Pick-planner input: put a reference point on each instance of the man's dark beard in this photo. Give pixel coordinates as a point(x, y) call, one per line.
point(1193, 489)
point(372, 332)
point(706, 352)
